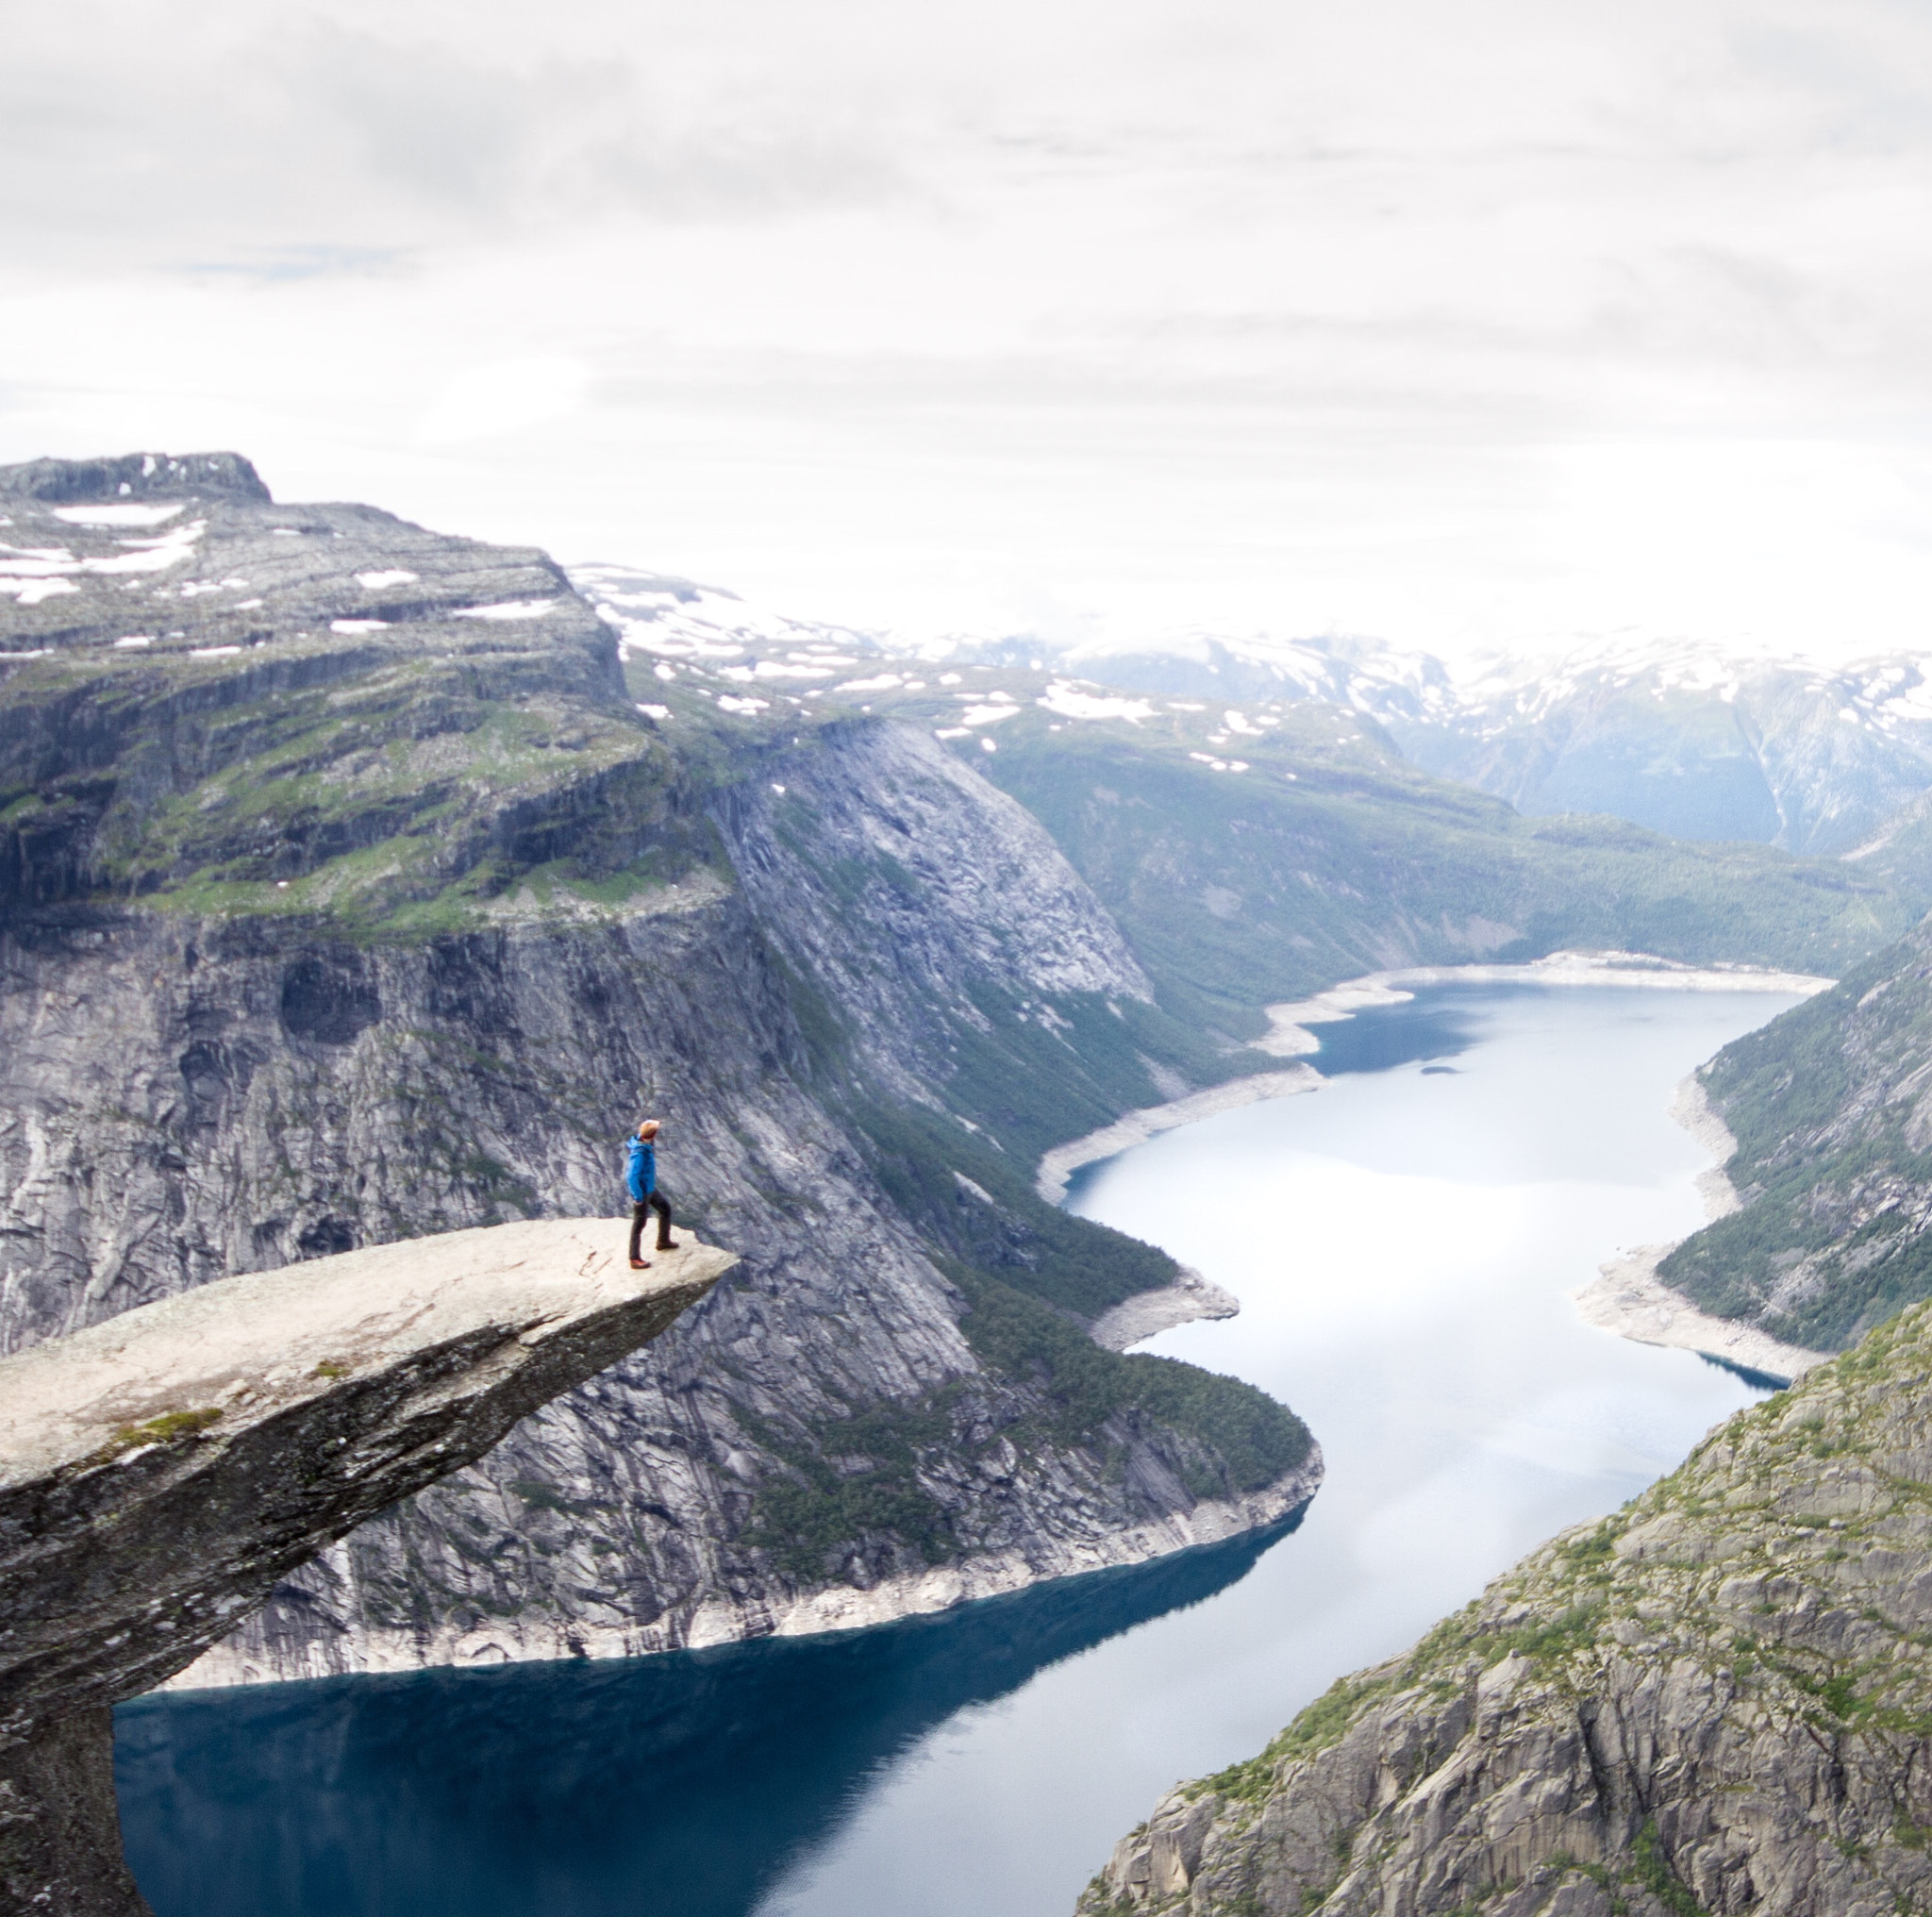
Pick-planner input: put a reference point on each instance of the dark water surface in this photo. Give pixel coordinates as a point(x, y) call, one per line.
point(1403, 1242)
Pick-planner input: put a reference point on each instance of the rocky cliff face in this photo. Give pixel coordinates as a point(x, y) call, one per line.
point(1829, 1107)
point(372, 908)
point(1715, 1701)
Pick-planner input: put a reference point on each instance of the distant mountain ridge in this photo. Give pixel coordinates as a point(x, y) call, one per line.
point(1668, 734)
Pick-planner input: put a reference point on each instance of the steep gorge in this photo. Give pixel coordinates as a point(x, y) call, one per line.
point(381, 900)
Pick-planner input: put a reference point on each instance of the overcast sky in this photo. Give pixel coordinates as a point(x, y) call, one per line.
point(1459, 325)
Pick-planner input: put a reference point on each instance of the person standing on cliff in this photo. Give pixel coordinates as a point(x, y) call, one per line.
point(640, 1180)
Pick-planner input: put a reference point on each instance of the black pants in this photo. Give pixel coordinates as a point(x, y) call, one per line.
point(640, 1215)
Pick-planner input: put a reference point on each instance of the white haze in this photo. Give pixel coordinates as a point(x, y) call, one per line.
point(1491, 324)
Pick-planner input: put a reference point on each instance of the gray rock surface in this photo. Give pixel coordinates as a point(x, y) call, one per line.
point(161, 1470)
point(1188, 1300)
point(319, 933)
point(1716, 1701)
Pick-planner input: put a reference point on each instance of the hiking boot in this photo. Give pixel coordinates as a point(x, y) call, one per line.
point(667, 1244)
point(640, 1264)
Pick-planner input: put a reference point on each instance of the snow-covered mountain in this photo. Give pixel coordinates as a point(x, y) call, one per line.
point(1702, 746)
point(1665, 733)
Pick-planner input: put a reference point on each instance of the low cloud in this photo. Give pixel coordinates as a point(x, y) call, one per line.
point(1457, 325)
point(212, 141)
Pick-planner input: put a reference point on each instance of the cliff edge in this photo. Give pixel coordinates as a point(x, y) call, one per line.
point(160, 1472)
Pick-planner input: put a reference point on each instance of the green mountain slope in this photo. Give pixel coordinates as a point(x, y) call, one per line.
point(1834, 1160)
point(1259, 853)
point(1715, 1701)
point(1266, 885)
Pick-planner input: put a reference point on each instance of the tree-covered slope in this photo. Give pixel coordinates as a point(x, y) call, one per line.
point(1715, 1701)
point(1829, 1107)
point(1275, 883)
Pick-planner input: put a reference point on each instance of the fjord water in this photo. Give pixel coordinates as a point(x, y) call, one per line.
point(1403, 1242)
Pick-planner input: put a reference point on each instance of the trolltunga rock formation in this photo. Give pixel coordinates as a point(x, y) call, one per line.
point(161, 1470)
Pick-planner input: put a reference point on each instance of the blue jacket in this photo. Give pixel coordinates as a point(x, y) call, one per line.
point(639, 1169)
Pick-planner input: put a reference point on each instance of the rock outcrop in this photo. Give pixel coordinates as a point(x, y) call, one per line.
point(1715, 1701)
point(160, 1472)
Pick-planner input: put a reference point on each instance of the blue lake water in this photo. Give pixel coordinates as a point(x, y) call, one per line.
point(1403, 1241)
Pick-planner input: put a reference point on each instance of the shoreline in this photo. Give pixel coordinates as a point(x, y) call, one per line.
point(1136, 1127)
point(839, 1607)
point(1288, 1037)
point(1626, 1297)
point(1187, 1300)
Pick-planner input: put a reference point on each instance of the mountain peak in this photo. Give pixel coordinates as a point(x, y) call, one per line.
point(133, 475)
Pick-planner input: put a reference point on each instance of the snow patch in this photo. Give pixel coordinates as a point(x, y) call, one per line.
point(510, 609)
point(118, 515)
point(1070, 702)
point(150, 555)
point(775, 669)
point(31, 592)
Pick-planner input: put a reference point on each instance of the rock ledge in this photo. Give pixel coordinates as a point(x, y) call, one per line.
point(160, 1472)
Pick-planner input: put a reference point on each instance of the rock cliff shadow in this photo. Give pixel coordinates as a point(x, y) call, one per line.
point(685, 1782)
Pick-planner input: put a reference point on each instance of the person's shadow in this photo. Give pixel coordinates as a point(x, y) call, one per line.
point(683, 1782)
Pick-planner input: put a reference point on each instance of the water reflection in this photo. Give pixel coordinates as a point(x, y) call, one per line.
point(682, 1783)
point(1432, 1026)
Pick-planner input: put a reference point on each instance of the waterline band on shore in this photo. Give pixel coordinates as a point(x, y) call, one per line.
point(1628, 1297)
point(1136, 1127)
point(1187, 1300)
point(842, 1607)
point(1288, 1037)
